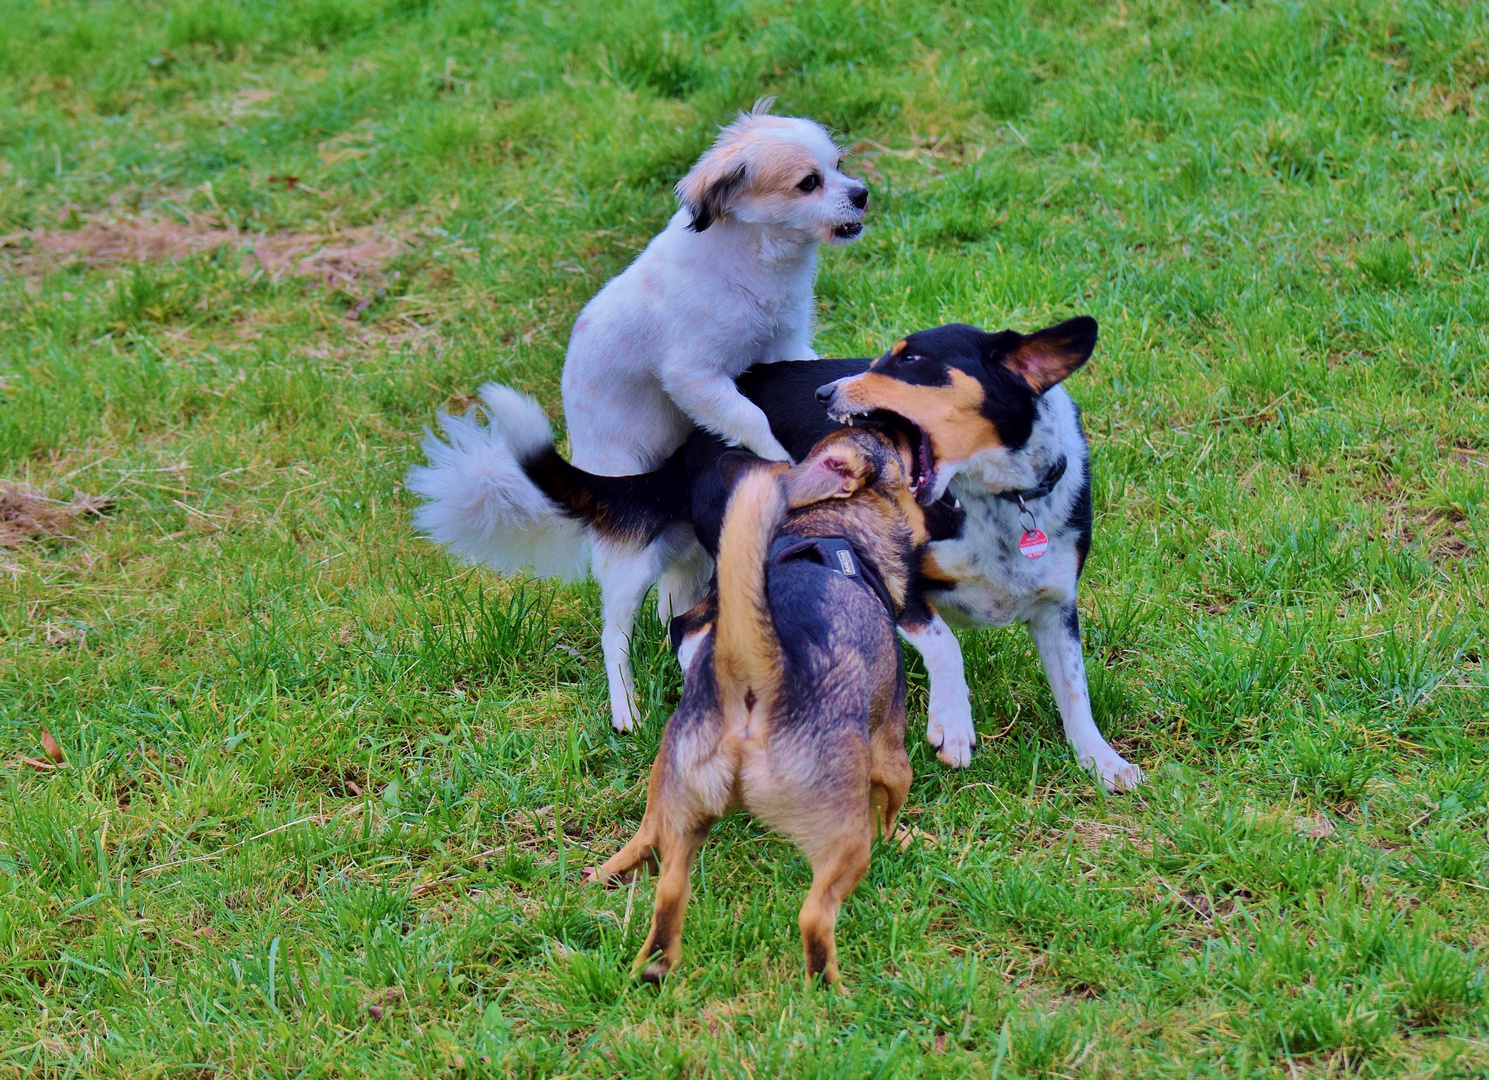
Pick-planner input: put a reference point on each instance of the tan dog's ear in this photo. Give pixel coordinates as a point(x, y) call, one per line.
point(708, 189)
point(1047, 357)
point(837, 472)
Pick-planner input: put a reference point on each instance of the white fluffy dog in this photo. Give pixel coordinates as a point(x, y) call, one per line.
point(726, 285)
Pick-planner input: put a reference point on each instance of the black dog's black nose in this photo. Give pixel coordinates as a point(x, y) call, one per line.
point(824, 393)
point(859, 196)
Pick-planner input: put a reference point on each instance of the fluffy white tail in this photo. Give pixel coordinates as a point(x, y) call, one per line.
point(481, 504)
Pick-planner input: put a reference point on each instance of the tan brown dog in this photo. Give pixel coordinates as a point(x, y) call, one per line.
point(794, 708)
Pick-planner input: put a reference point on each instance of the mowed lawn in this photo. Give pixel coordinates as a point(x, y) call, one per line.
point(326, 794)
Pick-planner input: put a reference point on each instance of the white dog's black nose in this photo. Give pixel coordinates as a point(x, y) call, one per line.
point(859, 196)
point(824, 393)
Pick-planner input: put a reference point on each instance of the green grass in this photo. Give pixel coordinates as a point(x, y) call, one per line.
point(315, 770)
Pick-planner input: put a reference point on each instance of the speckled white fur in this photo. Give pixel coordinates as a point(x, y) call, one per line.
point(996, 585)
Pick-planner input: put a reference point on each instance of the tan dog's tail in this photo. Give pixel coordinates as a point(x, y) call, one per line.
point(747, 653)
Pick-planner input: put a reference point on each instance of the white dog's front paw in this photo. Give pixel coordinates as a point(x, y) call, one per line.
point(1116, 774)
point(953, 737)
point(625, 714)
point(771, 450)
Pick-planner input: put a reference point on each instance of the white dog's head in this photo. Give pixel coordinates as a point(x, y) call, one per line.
point(777, 171)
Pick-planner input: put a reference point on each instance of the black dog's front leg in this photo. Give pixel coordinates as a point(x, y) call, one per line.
point(949, 727)
point(687, 631)
point(1056, 630)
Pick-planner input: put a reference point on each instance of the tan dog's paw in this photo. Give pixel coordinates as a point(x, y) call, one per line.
point(905, 836)
point(591, 875)
point(652, 968)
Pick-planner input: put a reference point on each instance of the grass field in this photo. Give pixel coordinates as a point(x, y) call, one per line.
point(326, 793)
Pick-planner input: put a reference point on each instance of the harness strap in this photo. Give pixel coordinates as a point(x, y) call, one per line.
point(837, 555)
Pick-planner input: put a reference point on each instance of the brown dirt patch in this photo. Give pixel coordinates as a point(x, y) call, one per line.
point(27, 515)
point(1441, 531)
point(352, 260)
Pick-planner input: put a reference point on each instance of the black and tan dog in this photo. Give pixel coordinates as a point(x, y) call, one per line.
point(794, 707)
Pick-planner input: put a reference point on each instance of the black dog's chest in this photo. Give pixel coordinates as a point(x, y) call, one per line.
point(982, 579)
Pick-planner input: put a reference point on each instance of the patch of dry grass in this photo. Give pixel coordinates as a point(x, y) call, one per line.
point(27, 516)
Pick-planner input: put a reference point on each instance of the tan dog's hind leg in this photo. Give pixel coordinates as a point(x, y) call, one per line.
point(641, 851)
point(677, 849)
point(836, 869)
point(889, 766)
point(891, 775)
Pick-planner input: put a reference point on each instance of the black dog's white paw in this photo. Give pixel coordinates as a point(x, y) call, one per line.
point(953, 739)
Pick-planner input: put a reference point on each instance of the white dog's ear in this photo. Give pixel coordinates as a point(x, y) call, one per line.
point(711, 186)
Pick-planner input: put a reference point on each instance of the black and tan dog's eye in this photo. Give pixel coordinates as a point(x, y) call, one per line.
point(810, 184)
point(911, 358)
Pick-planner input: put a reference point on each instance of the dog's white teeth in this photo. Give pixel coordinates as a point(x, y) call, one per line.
point(850, 421)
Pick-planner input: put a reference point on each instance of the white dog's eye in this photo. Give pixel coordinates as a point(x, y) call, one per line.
point(810, 184)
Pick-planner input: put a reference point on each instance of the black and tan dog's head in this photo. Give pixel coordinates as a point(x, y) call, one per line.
point(855, 483)
point(878, 460)
point(957, 392)
point(848, 461)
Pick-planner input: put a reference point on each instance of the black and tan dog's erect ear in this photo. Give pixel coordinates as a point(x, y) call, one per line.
point(838, 470)
point(1049, 356)
point(711, 185)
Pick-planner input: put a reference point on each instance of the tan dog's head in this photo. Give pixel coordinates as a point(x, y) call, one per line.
point(780, 172)
point(961, 394)
point(851, 461)
point(847, 461)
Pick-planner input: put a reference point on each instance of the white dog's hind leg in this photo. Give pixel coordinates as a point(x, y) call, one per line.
point(683, 582)
point(624, 574)
point(1057, 636)
point(949, 727)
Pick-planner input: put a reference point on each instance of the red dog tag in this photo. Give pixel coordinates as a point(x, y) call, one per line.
point(1033, 543)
